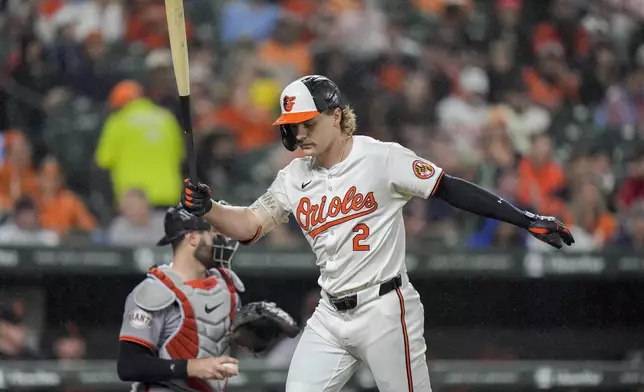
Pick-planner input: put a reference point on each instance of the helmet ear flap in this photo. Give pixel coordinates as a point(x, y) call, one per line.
point(289, 139)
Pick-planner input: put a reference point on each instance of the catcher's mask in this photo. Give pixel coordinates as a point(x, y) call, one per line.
point(302, 100)
point(224, 248)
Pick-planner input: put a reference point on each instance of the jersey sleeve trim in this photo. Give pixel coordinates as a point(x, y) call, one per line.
point(257, 236)
point(438, 181)
point(139, 341)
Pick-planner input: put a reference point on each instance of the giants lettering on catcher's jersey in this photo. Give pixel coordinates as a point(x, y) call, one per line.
point(351, 214)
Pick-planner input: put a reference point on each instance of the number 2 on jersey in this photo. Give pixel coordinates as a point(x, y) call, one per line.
point(362, 232)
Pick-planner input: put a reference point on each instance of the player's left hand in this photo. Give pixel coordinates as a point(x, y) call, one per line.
point(550, 230)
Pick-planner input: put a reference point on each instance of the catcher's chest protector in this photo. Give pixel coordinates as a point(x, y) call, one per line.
point(207, 312)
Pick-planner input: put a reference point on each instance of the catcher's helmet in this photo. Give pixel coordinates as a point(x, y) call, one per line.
point(302, 100)
point(179, 222)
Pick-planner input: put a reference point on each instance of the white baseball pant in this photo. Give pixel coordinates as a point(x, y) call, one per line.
point(385, 333)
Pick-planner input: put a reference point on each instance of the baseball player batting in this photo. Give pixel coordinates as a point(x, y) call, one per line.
point(347, 195)
point(179, 322)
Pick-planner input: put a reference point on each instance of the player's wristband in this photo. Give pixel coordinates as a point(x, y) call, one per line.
point(138, 363)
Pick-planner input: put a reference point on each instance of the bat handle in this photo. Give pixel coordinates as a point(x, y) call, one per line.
point(184, 100)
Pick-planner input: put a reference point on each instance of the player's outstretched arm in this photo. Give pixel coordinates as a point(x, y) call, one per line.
point(239, 223)
point(244, 224)
point(470, 197)
point(411, 175)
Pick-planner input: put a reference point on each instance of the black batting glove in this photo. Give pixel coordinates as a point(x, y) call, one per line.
point(196, 198)
point(550, 230)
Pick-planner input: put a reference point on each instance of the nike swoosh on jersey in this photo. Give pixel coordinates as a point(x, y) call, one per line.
point(210, 310)
point(305, 184)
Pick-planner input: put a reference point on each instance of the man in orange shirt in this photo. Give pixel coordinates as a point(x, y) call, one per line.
point(60, 209)
point(148, 26)
point(541, 178)
point(250, 130)
point(285, 52)
point(564, 29)
point(437, 7)
point(551, 81)
point(17, 177)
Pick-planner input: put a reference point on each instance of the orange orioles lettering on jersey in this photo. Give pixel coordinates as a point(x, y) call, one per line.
point(352, 206)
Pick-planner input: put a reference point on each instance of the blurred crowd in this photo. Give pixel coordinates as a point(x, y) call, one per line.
point(17, 342)
point(540, 101)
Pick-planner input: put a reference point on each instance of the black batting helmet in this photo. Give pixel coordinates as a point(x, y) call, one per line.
point(302, 100)
point(179, 222)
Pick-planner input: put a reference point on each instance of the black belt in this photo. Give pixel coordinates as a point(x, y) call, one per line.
point(351, 301)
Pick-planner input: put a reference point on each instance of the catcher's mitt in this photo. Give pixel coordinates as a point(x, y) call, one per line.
point(258, 324)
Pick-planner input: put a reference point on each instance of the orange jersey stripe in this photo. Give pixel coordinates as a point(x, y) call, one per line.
point(410, 383)
point(134, 339)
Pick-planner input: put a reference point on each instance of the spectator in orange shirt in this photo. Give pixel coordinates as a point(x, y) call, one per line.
point(148, 25)
point(284, 52)
point(60, 209)
point(17, 177)
point(300, 8)
point(250, 126)
point(5, 207)
point(541, 179)
point(551, 82)
point(437, 7)
point(563, 28)
point(591, 222)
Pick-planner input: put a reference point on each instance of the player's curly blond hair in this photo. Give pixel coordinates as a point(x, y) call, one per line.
point(349, 122)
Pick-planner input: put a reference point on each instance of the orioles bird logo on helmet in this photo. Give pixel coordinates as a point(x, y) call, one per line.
point(288, 103)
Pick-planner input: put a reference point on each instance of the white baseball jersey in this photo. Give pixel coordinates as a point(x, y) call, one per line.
point(351, 214)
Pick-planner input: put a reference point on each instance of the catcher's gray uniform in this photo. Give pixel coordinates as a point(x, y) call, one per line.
point(182, 320)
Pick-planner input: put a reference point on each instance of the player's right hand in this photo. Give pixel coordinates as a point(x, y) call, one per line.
point(550, 230)
point(211, 368)
point(196, 198)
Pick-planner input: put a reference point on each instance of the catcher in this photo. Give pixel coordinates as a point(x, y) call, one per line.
point(179, 322)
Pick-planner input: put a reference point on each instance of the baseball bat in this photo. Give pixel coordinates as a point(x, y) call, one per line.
point(179, 48)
